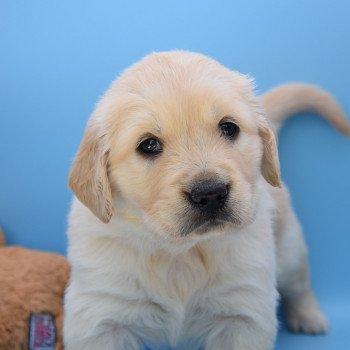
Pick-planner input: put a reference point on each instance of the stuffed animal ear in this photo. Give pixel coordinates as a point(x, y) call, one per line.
point(270, 167)
point(88, 177)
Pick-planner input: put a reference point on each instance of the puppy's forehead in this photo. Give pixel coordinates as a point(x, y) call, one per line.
point(180, 90)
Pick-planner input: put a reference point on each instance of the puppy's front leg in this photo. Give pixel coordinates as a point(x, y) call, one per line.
point(113, 338)
point(240, 333)
point(93, 325)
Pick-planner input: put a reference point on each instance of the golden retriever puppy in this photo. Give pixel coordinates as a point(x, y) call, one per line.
point(181, 226)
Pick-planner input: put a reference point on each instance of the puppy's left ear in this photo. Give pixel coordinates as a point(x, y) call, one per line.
point(88, 177)
point(270, 167)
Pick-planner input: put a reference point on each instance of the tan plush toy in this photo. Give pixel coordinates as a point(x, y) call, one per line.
point(32, 285)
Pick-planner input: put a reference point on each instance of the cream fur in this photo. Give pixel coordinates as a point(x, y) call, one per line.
point(135, 278)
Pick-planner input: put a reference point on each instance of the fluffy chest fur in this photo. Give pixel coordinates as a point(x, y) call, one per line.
point(180, 276)
point(167, 296)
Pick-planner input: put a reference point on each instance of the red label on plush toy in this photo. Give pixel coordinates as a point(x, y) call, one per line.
point(42, 332)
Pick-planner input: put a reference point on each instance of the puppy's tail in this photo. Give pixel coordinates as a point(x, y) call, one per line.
point(288, 99)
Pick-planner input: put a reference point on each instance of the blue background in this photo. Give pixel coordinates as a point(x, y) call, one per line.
point(58, 57)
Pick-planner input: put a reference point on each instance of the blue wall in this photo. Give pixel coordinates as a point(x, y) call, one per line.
point(57, 58)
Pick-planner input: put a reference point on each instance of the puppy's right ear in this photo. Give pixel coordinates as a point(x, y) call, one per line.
point(88, 177)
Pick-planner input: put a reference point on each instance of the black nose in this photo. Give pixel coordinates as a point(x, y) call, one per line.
point(209, 196)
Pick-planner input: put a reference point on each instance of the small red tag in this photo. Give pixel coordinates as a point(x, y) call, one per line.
point(42, 332)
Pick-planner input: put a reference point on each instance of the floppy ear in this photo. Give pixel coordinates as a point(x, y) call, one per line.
point(270, 167)
point(88, 177)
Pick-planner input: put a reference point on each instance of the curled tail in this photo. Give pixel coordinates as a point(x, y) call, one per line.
point(289, 99)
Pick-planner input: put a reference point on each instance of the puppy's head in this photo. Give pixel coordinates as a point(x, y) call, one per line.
point(180, 142)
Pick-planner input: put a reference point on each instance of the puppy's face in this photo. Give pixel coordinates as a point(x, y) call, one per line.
point(178, 143)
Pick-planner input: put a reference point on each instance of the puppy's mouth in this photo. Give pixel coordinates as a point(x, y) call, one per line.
point(211, 225)
point(201, 223)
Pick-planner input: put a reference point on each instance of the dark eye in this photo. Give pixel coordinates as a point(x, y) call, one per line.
point(150, 147)
point(229, 130)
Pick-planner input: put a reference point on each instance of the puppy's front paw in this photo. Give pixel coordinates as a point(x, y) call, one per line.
point(305, 316)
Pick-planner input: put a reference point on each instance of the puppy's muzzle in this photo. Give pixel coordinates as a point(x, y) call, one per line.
point(208, 196)
point(208, 206)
